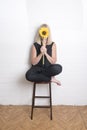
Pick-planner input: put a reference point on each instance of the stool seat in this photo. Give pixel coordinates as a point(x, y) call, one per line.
point(34, 96)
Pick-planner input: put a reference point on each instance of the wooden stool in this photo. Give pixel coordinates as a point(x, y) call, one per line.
point(34, 96)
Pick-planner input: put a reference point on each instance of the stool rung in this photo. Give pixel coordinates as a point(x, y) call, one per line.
point(42, 96)
point(41, 106)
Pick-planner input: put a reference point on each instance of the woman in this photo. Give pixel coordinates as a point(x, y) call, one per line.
point(43, 58)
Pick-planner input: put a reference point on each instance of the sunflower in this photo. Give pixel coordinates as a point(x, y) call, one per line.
point(44, 32)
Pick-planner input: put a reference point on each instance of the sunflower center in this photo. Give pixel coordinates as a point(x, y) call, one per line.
point(44, 32)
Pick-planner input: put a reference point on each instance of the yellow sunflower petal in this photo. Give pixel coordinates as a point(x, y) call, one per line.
point(44, 32)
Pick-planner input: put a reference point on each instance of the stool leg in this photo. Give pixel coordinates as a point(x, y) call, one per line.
point(33, 100)
point(50, 101)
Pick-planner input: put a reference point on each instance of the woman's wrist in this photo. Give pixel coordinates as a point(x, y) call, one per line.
point(41, 54)
point(46, 54)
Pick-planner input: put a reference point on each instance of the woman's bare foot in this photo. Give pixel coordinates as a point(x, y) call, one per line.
point(53, 79)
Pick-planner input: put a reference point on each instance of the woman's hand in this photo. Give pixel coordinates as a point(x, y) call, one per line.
point(43, 50)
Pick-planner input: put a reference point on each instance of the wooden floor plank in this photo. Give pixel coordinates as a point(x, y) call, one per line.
point(64, 118)
point(83, 113)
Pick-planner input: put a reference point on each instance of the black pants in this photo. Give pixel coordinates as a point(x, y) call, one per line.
point(43, 74)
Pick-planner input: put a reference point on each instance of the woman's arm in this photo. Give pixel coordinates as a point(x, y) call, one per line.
point(34, 58)
point(52, 59)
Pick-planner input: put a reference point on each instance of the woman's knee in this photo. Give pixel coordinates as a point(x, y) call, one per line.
point(28, 76)
point(56, 69)
point(59, 68)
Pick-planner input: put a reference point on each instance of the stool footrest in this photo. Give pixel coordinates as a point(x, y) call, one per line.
point(42, 96)
point(41, 106)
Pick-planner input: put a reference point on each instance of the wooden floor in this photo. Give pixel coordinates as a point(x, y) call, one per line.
point(64, 118)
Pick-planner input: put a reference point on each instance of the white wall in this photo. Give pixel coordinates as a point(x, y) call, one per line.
point(19, 21)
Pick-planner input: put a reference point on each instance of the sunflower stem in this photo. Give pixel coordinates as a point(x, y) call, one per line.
point(43, 59)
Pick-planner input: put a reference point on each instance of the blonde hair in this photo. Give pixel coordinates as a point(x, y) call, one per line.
point(38, 38)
